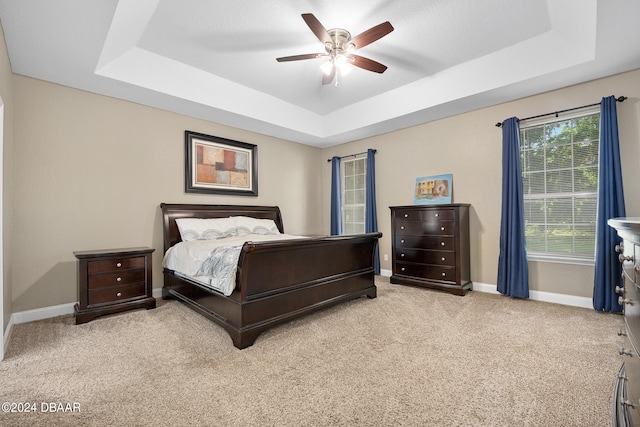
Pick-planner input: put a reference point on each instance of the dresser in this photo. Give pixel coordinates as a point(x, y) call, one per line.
point(113, 280)
point(430, 246)
point(626, 394)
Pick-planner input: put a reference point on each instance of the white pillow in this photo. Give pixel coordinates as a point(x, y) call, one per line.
point(247, 225)
point(205, 228)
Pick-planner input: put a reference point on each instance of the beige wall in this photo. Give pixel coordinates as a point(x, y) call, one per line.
point(469, 147)
point(91, 171)
point(6, 95)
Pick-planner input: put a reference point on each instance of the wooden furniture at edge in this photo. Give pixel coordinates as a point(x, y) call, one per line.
point(430, 246)
point(113, 280)
point(626, 394)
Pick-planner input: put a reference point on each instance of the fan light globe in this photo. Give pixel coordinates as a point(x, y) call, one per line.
point(326, 67)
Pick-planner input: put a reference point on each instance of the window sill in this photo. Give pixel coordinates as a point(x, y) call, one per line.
point(560, 260)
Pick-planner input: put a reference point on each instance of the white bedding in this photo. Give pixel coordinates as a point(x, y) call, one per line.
point(214, 262)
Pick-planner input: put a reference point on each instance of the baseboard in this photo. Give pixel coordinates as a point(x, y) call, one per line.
point(7, 335)
point(563, 299)
point(53, 311)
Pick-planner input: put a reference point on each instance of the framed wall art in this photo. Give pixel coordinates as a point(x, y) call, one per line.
point(217, 165)
point(436, 189)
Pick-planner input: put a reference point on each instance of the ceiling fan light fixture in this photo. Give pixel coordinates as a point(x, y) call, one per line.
point(327, 67)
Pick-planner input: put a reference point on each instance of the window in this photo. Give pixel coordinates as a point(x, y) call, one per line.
point(353, 196)
point(560, 187)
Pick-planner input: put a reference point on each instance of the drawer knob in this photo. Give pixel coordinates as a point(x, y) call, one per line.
point(624, 352)
point(402, 241)
point(118, 279)
point(442, 258)
point(402, 227)
point(619, 248)
point(401, 255)
point(119, 265)
point(437, 215)
point(119, 294)
point(623, 301)
point(444, 274)
point(441, 243)
point(402, 269)
point(623, 258)
point(619, 290)
point(406, 215)
point(441, 228)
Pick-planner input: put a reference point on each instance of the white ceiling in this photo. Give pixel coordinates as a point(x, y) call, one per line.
point(215, 60)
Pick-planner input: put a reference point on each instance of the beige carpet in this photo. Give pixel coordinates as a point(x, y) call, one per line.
point(411, 357)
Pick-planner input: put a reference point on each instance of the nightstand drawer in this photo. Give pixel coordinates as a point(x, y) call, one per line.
point(108, 265)
point(115, 279)
point(116, 293)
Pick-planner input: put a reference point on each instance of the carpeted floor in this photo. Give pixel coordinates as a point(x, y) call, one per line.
point(411, 357)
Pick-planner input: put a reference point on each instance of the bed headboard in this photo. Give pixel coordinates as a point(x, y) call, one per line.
point(171, 212)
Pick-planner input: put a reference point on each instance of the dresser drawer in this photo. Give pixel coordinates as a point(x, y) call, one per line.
point(447, 243)
point(631, 261)
point(96, 281)
point(116, 293)
point(118, 264)
point(432, 272)
point(425, 215)
point(425, 228)
point(426, 257)
point(631, 307)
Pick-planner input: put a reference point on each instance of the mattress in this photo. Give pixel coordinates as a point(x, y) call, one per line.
point(213, 263)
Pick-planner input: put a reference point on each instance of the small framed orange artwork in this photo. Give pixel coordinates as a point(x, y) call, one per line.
point(217, 165)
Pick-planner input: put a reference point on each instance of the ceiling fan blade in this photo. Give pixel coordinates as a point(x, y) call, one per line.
point(299, 57)
point(317, 28)
point(328, 78)
point(368, 64)
point(371, 35)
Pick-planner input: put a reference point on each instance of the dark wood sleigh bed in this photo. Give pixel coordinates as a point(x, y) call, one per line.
point(275, 281)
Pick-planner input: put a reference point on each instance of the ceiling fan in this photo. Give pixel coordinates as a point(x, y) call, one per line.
point(339, 47)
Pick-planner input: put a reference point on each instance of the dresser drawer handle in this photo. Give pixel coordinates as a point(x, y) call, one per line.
point(441, 243)
point(119, 265)
point(118, 279)
point(402, 241)
point(119, 294)
point(402, 227)
point(626, 402)
point(441, 228)
point(624, 352)
point(623, 258)
point(623, 301)
point(437, 215)
point(619, 248)
point(619, 290)
point(444, 274)
point(402, 269)
point(406, 215)
point(401, 255)
point(442, 258)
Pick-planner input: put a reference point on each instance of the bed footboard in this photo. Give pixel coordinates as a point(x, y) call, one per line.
point(284, 280)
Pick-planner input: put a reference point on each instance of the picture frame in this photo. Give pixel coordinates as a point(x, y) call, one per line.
point(216, 165)
point(435, 189)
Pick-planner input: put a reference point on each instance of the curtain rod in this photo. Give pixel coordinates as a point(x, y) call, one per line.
point(619, 99)
point(353, 155)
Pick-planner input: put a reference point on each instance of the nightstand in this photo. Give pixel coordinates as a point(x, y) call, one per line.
point(113, 280)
